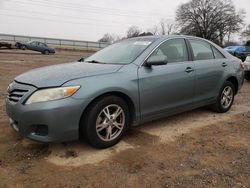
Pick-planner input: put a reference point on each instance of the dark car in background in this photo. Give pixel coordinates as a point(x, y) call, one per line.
point(239, 51)
point(247, 68)
point(35, 46)
point(5, 44)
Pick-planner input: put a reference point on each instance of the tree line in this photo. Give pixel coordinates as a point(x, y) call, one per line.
point(215, 20)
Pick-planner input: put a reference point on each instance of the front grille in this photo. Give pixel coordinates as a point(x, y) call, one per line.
point(16, 95)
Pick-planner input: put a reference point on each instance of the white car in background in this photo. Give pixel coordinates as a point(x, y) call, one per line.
point(247, 68)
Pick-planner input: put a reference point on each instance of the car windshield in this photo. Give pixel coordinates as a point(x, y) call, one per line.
point(123, 52)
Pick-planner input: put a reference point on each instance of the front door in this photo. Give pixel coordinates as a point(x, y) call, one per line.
point(166, 88)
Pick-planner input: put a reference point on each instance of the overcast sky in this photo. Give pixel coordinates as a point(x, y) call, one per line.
point(87, 19)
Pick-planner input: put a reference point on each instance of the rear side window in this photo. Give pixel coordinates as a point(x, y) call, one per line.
point(34, 43)
point(41, 44)
point(202, 50)
point(174, 49)
point(217, 53)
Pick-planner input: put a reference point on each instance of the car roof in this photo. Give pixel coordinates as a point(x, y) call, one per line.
point(164, 37)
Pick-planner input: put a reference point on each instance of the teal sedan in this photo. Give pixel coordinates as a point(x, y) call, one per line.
point(126, 84)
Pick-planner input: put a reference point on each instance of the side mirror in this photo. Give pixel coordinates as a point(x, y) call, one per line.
point(156, 60)
point(81, 60)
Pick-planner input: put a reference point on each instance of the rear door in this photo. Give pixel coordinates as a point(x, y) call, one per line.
point(41, 47)
point(33, 46)
point(168, 87)
point(211, 68)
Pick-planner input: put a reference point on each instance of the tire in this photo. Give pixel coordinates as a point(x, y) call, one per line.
point(111, 129)
point(45, 52)
point(225, 98)
point(23, 47)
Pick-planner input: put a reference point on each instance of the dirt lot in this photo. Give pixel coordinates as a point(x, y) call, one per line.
point(194, 149)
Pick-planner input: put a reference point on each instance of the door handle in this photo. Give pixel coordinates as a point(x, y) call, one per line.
point(224, 64)
point(189, 69)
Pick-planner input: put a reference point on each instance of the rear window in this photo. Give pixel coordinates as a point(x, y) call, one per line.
point(217, 53)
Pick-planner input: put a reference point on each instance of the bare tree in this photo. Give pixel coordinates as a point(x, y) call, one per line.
point(145, 34)
point(167, 27)
point(110, 38)
point(106, 38)
point(162, 27)
point(210, 19)
point(246, 32)
point(170, 28)
point(154, 30)
point(133, 31)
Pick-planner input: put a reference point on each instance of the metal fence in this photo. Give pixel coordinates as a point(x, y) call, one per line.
point(55, 42)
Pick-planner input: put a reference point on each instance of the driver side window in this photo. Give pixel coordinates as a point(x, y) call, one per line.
point(174, 49)
point(34, 43)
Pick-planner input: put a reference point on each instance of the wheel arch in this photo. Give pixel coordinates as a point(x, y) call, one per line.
point(125, 97)
point(234, 81)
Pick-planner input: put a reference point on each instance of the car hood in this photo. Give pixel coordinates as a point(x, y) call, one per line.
point(56, 75)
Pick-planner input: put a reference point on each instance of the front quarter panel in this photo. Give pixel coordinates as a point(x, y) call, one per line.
point(124, 81)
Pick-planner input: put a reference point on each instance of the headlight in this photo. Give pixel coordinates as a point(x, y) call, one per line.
point(52, 94)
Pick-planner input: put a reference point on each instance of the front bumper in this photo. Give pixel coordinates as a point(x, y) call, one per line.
point(53, 121)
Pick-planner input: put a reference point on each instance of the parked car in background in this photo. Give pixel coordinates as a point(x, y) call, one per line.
point(247, 68)
point(239, 51)
point(125, 84)
point(5, 44)
point(35, 46)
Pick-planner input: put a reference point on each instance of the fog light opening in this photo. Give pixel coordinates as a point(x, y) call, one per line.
point(40, 130)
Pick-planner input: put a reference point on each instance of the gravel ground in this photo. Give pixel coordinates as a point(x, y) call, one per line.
point(199, 148)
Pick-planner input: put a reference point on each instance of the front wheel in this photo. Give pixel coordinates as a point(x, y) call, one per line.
point(225, 98)
point(45, 52)
point(105, 121)
point(23, 47)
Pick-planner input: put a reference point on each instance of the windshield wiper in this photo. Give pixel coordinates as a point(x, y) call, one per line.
point(94, 61)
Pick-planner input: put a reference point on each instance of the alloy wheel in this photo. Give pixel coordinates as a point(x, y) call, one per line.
point(227, 97)
point(110, 122)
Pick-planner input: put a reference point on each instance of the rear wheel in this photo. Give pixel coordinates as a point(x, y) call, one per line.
point(46, 52)
point(105, 122)
point(225, 99)
point(23, 47)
